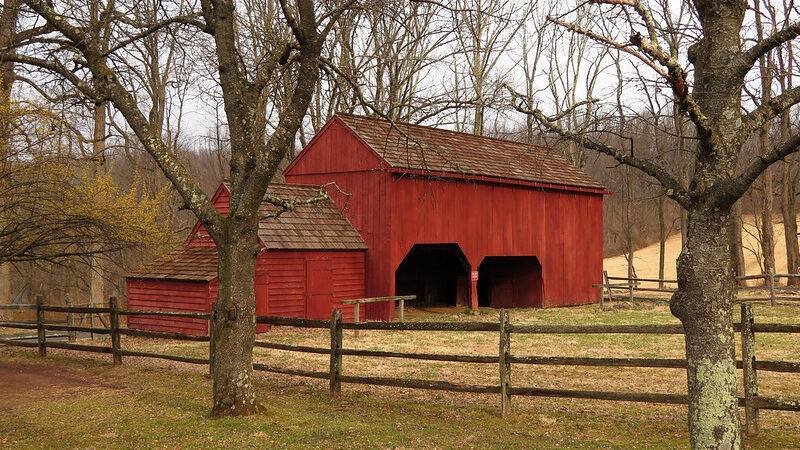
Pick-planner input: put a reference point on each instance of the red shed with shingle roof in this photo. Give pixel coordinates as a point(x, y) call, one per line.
point(460, 219)
point(312, 258)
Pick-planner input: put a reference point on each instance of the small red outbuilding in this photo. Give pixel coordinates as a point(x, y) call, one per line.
point(312, 258)
point(459, 219)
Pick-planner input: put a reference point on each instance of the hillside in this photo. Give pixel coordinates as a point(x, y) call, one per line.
point(646, 258)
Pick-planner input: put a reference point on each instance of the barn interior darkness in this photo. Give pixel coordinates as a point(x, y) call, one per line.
point(436, 273)
point(510, 282)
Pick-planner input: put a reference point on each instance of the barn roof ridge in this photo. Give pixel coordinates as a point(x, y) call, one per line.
point(456, 152)
point(462, 133)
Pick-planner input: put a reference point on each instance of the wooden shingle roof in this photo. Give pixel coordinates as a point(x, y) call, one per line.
point(453, 152)
point(186, 264)
point(317, 226)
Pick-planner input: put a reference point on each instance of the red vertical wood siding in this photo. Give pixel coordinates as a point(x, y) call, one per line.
point(285, 272)
point(562, 228)
point(357, 170)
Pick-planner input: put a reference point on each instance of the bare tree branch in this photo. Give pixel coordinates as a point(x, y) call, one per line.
point(674, 190)
point(770, 109)
point(749, 57)
point(674, 75)
point(731, 190)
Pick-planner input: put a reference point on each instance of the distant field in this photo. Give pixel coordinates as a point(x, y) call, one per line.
point(143, 403)
point(646, 259)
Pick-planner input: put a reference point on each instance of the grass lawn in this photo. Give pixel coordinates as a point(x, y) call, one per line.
point(80, 400)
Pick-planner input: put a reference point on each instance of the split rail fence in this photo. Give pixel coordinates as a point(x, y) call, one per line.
point(504, 360)
point(776, 292)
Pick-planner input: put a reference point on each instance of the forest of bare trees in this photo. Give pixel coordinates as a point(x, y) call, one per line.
point(393, 54)
point(139, 109)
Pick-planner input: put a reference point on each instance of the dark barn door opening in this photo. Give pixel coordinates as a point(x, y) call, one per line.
point(510, 282)
point(438, 274)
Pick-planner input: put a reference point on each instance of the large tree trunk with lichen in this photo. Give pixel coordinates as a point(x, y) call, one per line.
point(703, 303)
point(234, 326)
point(706, 283)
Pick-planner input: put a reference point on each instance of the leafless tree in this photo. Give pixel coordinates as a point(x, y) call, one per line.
point(712, 100)
point(244, 75)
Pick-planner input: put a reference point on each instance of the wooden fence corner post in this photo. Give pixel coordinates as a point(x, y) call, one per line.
point(336, 354)
point(71, 334)
point(115, 343)
point(40, 332)
point(212, 324)
point(608, 285)
point(402, 309)
point(505, 365)
point(749, 379)
point(356, 317)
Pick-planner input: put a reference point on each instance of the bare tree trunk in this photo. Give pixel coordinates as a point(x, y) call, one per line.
point(629, 223)
point(704, 306)
point(767, 228)
point(96, 283)
point(789, 213)
point(662, 240)
point(788, 189)
point(735, 241)
point(8, 21)
point(5, 284)
point(234, 329)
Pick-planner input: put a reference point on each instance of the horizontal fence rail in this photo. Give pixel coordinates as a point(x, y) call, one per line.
point(113, 329)
point(747, 328)
point(633, 285)
point(750, 402)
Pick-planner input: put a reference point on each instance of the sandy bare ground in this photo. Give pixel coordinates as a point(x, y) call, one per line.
point(22, 382)
point(645, 259)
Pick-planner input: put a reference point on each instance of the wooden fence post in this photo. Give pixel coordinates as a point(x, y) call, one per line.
point(505, 366)
point(115, 344)
point(211, 332)
point(40, 333)
point(357, 316)
point(336, 355)
point(749, 379)
point(71, 334)
point(91, 319)
point(402, 308)
point(772, 286)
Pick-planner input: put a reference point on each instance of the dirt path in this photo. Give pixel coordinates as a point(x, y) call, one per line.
point(24, 382)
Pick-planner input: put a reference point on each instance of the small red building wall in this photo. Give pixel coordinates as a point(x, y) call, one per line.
point(281, 284)
point(280, 287)
point(282, 280)
point(166, 295)
point(393, 210)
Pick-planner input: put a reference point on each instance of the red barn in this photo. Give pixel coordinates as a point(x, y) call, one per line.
point(460, 219)
point(312, 258)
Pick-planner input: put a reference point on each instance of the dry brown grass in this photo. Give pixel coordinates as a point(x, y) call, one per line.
point(545, 412)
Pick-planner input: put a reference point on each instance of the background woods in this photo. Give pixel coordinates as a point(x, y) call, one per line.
point(119, 119)
point(412, 61)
